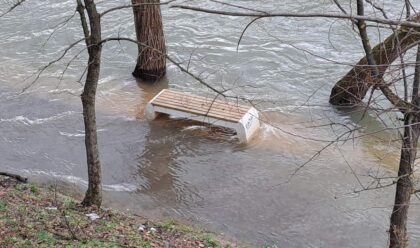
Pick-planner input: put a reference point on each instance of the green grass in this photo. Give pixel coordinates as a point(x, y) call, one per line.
point(144, 243)
point(34, 189)
point(101, 244)
point(3, 206)
point(208, 239)
point(25, 222)
point(70, 203)
point(45, 238)
point(211, 241)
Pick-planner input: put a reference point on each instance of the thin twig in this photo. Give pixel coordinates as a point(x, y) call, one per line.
point(19, 2)
point(408, 24)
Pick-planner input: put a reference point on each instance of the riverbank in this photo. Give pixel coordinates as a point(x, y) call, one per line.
point(32, 216)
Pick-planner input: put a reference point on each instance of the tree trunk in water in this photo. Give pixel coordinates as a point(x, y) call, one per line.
point(352, 88)
point(94, 192)
point(151, 60)
point(398, 231)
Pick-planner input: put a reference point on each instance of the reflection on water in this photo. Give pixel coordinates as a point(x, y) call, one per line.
point(159, 160)
point(167, 141)
point(186, 170)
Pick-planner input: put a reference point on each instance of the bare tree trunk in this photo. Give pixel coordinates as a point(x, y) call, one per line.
point(352, 88)
point(398, 230)
point(93, 42)
point(151, 60)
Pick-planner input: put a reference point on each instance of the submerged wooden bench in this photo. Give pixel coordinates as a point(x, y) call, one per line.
point(243, 119)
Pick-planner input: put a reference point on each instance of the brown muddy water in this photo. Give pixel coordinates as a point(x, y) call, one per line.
point(179, 169)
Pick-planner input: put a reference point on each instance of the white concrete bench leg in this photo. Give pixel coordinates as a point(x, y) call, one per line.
point(248, 126)
point(150, 112)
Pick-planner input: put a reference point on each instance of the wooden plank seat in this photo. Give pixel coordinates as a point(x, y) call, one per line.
point(212, 110)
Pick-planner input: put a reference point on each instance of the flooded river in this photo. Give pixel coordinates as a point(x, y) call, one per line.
point(197, 174)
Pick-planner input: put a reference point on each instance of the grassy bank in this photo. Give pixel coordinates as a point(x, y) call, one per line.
point(31, 216)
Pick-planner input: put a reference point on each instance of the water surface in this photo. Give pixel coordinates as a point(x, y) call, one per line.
point(180, 169)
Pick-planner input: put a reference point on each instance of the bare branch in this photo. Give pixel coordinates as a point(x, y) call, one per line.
point(177, 64)
point(19, 2)
point(84, 23)
point(391, 96)
point(374, 5)
point(238, 6)
point(408, 24)
point(40, 71)
point(134, 5)
point(243, 31)
point(340, 7)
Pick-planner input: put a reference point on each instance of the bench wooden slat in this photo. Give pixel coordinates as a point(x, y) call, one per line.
point(206, 109)
point(203, 111)
point(199, 112)
point(204, 104)
point(217, 101)
point(201, 105)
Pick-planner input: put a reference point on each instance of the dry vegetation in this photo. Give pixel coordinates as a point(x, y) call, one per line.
point(36, 217)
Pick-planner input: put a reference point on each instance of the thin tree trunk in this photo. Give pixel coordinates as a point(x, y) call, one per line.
point(93, 42)
point(151, 60)
point(398, 230)
point(94, 192)
point(353, 87)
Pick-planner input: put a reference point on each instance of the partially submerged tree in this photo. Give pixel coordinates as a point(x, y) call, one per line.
point(353, 87)
point(151, 60)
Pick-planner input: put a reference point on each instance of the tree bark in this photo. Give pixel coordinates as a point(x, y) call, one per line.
point(398, 229)
point(151, 60)
point(353, 87)
point(93, 42)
